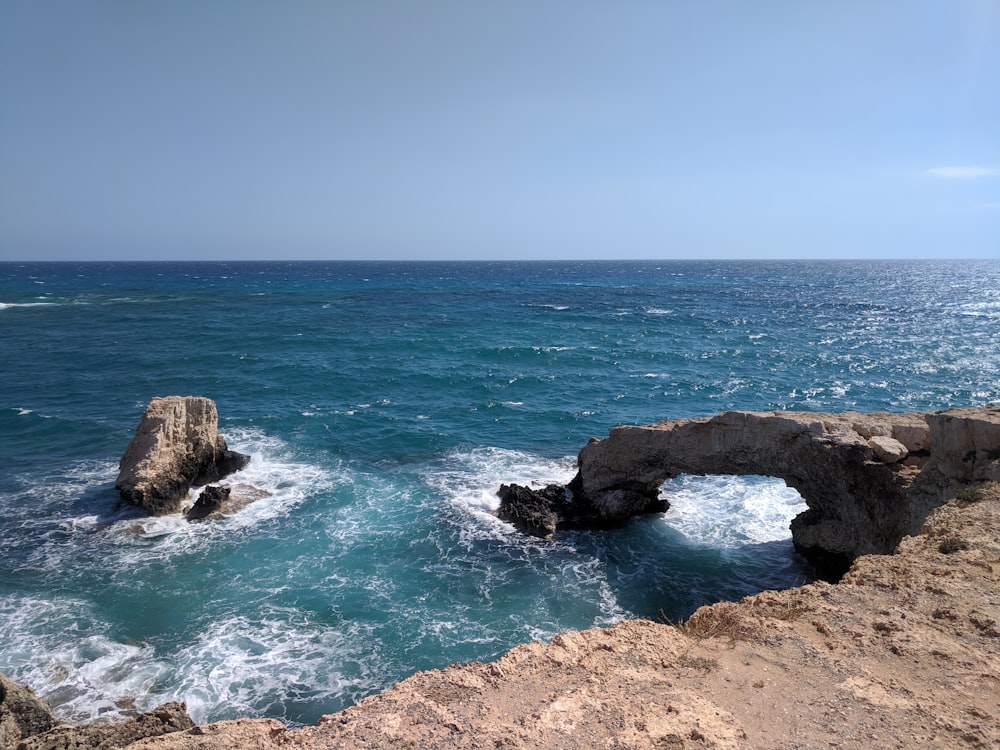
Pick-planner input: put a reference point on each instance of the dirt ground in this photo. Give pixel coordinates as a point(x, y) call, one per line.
point(903, 653)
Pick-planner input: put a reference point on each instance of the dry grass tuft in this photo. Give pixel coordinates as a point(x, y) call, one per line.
point(698, 662)
point(722, 620)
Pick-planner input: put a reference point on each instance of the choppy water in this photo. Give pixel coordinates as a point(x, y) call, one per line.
point(383, 404)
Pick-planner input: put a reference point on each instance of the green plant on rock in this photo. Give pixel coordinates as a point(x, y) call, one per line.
point(970, 493)
point(952, 544)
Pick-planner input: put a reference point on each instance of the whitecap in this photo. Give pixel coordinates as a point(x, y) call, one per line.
point(470, 480)
point(7, 305)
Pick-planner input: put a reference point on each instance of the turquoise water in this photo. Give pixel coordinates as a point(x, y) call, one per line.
point(383, 404)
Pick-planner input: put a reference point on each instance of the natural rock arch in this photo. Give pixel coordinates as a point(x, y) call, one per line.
point(867, 479)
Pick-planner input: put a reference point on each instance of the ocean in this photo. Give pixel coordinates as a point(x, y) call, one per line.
point(383, 405)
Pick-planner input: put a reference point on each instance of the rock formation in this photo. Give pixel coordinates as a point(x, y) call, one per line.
point(868, 479)
point(22, 713)
point(177, 445)
point(27, 723)
point(216, 501)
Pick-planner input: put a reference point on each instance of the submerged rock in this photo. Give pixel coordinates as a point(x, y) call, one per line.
point(176, 446)
point(217, 501)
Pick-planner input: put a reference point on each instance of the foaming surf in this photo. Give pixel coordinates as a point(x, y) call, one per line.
point(731, 511)
point(73, 650)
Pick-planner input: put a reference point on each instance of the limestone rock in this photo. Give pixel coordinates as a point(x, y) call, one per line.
point(167, 718)
point(22, 713)
point(176, 446)
point(887, 449)
point(868, 479)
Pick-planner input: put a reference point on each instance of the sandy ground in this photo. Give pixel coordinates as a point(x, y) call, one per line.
point(903, 653)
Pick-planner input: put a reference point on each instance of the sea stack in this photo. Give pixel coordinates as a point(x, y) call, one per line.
point(177, 446)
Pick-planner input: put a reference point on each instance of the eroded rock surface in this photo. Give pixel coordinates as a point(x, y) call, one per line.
point(27, 723)
point(868, 479)
point(177, 445)
point(22, 713)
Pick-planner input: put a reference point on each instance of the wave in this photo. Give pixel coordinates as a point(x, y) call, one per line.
point(65, 652)
point(8, 305)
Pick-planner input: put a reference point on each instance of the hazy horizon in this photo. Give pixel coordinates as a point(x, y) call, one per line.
point(453, 131)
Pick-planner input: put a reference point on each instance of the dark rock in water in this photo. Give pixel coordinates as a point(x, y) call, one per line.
point(541, 512)
point(535, 512)
point(217, 501)
point(209, 501)
point(22, 713)
point(176, 446)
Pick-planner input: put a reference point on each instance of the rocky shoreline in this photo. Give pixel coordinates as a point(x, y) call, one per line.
point(903, 652)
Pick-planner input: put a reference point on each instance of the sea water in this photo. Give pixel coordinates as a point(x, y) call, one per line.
point(383, 405)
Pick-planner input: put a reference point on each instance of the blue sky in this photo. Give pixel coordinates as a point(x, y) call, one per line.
point(171, 129)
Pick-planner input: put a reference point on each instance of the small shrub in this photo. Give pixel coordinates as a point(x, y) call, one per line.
point(970, 493)
point(952, 544)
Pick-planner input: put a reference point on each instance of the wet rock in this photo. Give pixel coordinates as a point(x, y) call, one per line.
point(209, 501)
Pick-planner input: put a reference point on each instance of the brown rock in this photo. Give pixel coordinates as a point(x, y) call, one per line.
point(868, 479)
point(22, 713)
point(901, 654)
point(170, 717)
point(176, 446)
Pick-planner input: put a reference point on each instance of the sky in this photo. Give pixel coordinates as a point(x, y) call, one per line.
point(503, 129)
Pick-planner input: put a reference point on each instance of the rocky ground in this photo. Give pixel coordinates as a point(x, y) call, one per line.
point(903, 653)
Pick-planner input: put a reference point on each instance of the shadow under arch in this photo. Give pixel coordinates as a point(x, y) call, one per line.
point(664, 566)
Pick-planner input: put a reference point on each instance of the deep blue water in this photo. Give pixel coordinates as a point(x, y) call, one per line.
point(383, 404)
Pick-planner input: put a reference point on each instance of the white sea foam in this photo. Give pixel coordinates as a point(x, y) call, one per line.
point(246, 666)
point(730, 511)
point(61, 650)
point(8, 305)
point(287, 481)
point(470, 480)
point(236, 667)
